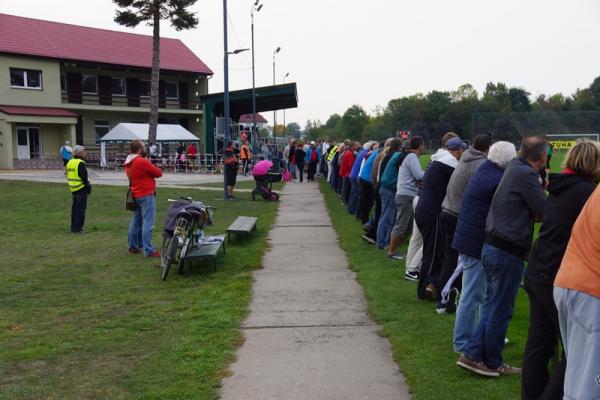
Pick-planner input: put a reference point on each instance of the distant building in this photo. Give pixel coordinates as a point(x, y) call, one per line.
point(246, 121)
point(66, 82)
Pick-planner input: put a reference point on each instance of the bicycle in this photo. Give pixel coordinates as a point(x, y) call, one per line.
point(184, 226)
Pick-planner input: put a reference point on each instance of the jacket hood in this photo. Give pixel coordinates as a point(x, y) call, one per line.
point(130, 158)
point(471, 155)
point(561, 182)
point(444, 156)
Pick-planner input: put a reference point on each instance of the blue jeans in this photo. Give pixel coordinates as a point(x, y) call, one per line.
point(353, 200)
point(503, 273)
point(472, 300)
point(580, 330)
point(142, 224)
point(388, 216)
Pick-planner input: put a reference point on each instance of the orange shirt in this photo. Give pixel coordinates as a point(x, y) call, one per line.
point(580, 267)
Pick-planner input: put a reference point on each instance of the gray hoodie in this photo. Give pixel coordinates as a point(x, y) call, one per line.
point(468, 164)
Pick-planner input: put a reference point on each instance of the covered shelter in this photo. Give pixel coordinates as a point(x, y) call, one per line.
point(126, 132)
point(268, 98)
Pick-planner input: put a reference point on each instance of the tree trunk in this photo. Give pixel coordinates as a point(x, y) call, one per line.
point(155, 74)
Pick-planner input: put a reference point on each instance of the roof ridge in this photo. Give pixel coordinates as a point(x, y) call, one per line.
point(34, 20)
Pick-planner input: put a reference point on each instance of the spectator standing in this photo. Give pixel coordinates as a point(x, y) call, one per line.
point(387, 192)
point(77, 178)
point(428, 211)
point(245, 157)
point(313, 156)
point(142, 177)
point(231, 166)
point(330, 155)
point(518, 201)
point(365, 185)
point(354, 189)
point(468, 164)
point(66, 153)
point(348, 158)
point(378, 166)
point(469, 237)
point(192, 153)
point(299, 159)
point(410, 175)
point(577, 298)
point(568, 193)
point(153, 151)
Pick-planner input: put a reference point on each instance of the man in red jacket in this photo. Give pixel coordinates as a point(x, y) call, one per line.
point(345, 169)
point(142, 180)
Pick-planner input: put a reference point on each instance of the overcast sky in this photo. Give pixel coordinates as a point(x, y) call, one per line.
point(344, 52)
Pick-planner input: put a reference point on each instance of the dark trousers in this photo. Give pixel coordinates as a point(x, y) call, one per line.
point(245, 164)
point(339, 183)
point(377, 200)
point(450, 256)
point(300, 171)
point(365, 200)
point(428, 225)
point(312, 169)
point(78, 209)
point(346, 187)
point(544, 333)
point(353, 198)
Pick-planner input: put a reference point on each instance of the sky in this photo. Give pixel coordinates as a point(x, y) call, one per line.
point(345, 52)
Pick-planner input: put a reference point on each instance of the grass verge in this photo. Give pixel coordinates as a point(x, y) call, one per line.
point(421, 340)
point(81, 318)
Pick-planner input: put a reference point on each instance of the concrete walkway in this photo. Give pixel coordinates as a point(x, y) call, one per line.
point(308, 335)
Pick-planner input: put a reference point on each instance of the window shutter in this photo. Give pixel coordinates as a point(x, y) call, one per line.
point(79, 129)
point(105, 90)
point(133, 92)
point(183, 95)
point(73, 87)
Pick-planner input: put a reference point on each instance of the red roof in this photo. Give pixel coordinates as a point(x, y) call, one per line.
point(19, 35)
point(37, 111)
point(247, 119)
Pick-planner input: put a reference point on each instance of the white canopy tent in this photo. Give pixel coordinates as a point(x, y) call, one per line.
point(126, 132)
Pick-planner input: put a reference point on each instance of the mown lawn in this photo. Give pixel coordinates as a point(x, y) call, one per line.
point(81, 318)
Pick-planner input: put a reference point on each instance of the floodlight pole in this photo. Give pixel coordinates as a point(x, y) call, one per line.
point(284, 125)
point(255, 8)
point(277, 50)
point(225, 94)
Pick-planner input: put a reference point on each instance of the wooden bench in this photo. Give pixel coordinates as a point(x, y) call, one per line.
point(207, 251)
point(243, 225)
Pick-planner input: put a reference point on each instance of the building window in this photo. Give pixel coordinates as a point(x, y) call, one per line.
point(144, 88)
point(101, 127)
point(89, 84)
point(118, 86)
point(25, 78)
point(172, 89)
point(63, 82)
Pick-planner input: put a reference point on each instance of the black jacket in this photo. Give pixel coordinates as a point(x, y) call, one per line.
point(435, 183)
point(518, 200)
point(568, 195)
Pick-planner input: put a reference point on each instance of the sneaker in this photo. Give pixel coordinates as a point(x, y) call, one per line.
point(366, 227)
point(452, 301)
point(506, 341)
point(134, 250)
point(440, 309)
point(431, 292)
point(411, 276)
point(477, 367)
point(154, 254)
point(368, 239)
point(396, 256)
point(506, 369)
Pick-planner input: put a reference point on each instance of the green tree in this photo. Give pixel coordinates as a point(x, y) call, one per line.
point(152, 11)
point(294, 129)
point(595, 91)
point(354, 121)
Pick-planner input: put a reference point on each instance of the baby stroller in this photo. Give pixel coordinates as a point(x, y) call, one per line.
point(264, 178)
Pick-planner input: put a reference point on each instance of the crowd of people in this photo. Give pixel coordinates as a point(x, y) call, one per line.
point(470, 219)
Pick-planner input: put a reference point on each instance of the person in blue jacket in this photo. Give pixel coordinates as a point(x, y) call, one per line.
point(313, 156)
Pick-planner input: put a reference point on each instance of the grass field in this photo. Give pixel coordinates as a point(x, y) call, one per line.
point(81, 318)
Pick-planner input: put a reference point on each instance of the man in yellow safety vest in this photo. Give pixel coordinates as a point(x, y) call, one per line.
point(77, 179)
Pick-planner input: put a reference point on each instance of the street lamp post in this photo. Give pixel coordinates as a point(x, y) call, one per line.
point(277, 50)
point(255, 8)
point(284, 125)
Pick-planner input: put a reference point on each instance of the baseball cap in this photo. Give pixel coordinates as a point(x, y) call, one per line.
point(455, 144)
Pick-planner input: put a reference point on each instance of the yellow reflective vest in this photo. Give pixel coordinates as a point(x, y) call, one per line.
point(73, 179)
point(331, 153)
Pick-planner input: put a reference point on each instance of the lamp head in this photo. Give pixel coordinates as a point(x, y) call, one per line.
point(259, 7)
point(277, 50)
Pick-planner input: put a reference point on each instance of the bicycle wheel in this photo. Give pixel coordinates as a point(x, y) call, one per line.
point(169, 256)
point(184, 251)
